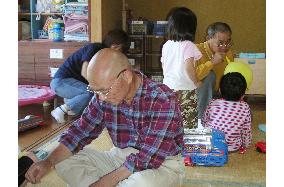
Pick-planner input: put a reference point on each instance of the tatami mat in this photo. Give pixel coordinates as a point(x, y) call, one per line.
point(247, 169)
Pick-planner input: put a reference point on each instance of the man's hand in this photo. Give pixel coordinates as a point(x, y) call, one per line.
point(218, 57)
point(37, 171)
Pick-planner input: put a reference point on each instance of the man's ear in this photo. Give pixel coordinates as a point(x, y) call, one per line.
point(207, 37)
point(128, 76)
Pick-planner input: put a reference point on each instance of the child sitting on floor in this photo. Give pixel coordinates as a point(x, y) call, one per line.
point(231, 114)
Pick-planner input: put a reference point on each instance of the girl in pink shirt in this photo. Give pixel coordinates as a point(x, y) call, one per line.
point(179, 54)
point(231, 114)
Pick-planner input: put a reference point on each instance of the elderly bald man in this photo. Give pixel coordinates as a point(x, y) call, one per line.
point(144, 122)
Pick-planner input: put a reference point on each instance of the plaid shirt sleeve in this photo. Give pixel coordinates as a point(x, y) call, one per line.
point(162, 137)
point(87, 128)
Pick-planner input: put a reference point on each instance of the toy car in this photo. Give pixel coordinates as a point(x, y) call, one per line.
point(187, 161)
point(261, 147)
point(206, 147)
point(29, 122)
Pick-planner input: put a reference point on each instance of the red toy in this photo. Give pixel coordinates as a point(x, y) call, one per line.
point(261, 147)
point(242, 150)
point(29, 122)
point(187, 161)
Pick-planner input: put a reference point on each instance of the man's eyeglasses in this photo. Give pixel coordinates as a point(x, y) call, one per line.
point(106, 91)
point(226, 45)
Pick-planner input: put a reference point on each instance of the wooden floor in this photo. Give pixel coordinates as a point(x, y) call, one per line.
point(247, 169)
point(29, 139)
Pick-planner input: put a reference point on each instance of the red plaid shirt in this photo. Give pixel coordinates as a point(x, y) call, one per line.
point(152, 124)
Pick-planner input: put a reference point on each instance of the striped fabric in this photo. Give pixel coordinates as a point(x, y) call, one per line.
point(231, 117)
point(151, 124)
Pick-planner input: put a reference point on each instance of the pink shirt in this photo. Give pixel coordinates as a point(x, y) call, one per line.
point(231, 117)
point(174, 56)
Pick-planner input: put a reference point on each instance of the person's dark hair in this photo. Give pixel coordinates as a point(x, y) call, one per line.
point(233, 86)
point(182, 23)
point(213, 28)
point(117, 37)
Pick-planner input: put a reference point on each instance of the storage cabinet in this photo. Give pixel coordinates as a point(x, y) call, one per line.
point(33, 15)
point(35, 60)
point(147, 39)
point(34, 57)
point(26, 65)
point(136, 51)
point(153, 53)
point(146, 50)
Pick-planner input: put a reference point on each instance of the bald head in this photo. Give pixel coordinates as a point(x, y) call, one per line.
point(106, 65)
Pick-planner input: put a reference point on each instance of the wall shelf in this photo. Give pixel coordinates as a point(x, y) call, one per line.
point(146, 49)
point(42, 14)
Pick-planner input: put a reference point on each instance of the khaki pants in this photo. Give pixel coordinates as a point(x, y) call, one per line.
point(90, 165)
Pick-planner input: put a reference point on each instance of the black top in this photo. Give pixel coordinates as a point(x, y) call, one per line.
point(72, 66)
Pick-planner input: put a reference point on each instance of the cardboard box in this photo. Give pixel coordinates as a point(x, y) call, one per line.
point(258, 66)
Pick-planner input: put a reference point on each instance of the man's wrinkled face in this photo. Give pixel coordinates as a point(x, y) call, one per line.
point(221, 42)
point(112, 92)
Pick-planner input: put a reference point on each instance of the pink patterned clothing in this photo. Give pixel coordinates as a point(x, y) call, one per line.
point(231, 117)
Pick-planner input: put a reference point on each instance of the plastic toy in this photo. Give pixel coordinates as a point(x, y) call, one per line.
point(40, 154)
point(261, 147)
point(262, 127)
point(30, 94)
point(29, 122)
point(242, 150)
point(205, 147)
point(187, 161)
point(241, 68)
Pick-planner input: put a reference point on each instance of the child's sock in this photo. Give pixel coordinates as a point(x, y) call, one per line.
point(59, 113)
point(65, 100)
point(69, 111)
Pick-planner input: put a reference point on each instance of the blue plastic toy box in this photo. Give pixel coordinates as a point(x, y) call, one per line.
point(205, 147)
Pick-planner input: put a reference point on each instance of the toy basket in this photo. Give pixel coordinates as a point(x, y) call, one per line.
point(140, 27)
point(217, 155)
point(160, 28)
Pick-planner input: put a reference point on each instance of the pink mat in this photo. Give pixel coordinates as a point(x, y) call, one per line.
point(30, 94)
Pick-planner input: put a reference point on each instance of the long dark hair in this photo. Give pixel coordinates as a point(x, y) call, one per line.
point(182, 23)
